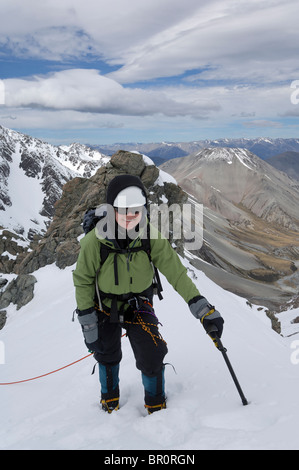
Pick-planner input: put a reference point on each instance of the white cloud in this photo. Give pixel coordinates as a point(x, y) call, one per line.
point(88, 91)
point(83, 99)
point(232, 60)
point(27, 118)
point(108, 29)
point(255, 37)
point(155, 39)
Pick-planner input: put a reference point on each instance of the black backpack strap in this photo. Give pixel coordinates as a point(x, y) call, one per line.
point(104, 252)
point(146, 244)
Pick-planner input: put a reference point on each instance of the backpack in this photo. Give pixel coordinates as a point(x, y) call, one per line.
point(90, 220)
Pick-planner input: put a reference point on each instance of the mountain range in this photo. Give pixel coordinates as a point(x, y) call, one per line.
point(283, 154)
point(251, 225)
point(161, 151)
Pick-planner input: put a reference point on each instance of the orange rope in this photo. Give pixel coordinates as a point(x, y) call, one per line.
point(44, 375)
point(141, 323)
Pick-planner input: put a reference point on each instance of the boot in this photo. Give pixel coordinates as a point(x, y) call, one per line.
point(154, 396)
point(151, 408)
point(110, 401)
point(109, 381)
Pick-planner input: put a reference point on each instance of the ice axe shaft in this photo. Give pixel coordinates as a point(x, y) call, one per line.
point(212, 333)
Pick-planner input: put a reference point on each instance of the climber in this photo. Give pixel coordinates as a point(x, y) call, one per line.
point(115, 280)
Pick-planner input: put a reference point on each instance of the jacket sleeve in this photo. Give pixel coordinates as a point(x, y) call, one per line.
point(84, 275)
point(169, 264)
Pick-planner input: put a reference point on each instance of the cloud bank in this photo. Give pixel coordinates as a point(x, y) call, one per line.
point(88, 91)
point(210, 63)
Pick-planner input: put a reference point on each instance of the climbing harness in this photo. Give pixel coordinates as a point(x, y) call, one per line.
point(143, 308)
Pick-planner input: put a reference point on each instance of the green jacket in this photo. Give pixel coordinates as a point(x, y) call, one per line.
point(135, 273)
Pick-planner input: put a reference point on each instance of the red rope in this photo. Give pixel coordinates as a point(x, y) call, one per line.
point(48, 373)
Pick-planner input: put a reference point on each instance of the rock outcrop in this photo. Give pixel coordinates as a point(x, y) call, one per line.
point(19, 291)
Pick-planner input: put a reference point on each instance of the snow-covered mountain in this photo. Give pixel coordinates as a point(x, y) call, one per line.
point(32, 174)
point(81, 159)
point(251, 221)
point(204, 412)
point(241, 178)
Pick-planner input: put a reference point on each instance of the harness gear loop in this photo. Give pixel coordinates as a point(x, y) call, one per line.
point(146, 326)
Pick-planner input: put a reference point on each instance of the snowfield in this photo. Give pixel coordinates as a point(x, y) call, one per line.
point(204, 410)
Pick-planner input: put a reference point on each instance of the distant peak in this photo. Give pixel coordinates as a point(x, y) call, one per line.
point(228, 155)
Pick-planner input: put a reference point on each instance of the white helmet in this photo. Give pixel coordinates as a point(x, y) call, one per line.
point(132, 196)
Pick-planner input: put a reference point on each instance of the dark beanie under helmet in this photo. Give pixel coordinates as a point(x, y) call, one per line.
point(121, 182)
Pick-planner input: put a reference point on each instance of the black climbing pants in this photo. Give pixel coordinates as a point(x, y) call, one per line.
point(142, 331)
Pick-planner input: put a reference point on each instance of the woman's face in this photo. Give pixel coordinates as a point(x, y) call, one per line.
point(128, 218)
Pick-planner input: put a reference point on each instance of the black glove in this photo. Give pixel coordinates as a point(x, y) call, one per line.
point(206, 313)
point(88, 320)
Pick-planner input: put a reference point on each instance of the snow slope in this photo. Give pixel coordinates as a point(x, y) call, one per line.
point(26, 197)
point(61, 410)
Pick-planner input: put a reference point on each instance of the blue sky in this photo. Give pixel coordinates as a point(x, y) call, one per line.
point(101, 72)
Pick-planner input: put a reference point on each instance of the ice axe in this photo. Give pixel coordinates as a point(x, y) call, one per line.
point(212, 332)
